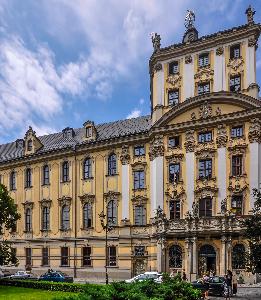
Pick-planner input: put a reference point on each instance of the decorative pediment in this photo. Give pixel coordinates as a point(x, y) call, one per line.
point(125, 155)
point(205, 150)
point(156, 147)
point(32, 143)
point(86, 198)
point(65, 201)
point(111, 195)
point(237, 146)
point(46, 203)
point(204, 74)
point(205, 189)
point(237, 185)
point(139, 200)
point(235, 65)
point(28, 204)
point(254, 134)
point(174, 80)
point(175, 191)
point(174, 157)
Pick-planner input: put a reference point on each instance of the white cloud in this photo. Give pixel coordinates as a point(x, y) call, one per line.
point(134, 114)
point(141, 101)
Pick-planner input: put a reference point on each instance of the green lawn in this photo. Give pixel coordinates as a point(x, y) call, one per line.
point(19, 293)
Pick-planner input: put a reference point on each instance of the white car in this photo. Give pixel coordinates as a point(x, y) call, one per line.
point(144, 276)
point(21, 275)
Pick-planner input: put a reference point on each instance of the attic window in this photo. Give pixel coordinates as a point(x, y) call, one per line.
point(235, 51)
point(68, 132)
point(30, 145)
point(173, 67)
point(89, 132)
point(203, 60)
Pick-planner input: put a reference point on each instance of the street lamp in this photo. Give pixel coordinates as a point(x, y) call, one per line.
point(107, 227)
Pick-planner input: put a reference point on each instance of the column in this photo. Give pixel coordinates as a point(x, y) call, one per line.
point(125, 187)
point(228, 254)
point(160, 87)
point(223, 256)
point(188, 77)
point(219, 70)
point(190, 163)
point(222, 175)
point(159, 258)
point(254, 170)
point(250, 64)
point(194, 255)
point(188, 258)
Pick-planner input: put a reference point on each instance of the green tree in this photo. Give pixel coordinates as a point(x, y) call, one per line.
point(253, 234)
point(8, 219)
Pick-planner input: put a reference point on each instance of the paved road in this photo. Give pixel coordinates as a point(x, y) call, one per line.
point(245, 293)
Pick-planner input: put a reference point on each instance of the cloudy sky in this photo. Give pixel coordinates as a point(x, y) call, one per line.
point(63, 62)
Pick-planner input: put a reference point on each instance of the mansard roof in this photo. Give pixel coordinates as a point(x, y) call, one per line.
point(57, 141)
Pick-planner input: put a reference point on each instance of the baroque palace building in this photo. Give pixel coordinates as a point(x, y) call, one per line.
point(173, 186)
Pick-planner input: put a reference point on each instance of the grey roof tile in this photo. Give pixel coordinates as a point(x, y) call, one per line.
point(56, 141)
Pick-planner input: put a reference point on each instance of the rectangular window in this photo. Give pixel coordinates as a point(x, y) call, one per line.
point(237, 204)
point(12, 181)
point(139, 215)
point(203, 88)
point(205, 169)
point(173, 97)
point(205, 207)
point(45, 256)
point(237, 131)
point(86, 256)
point(173, 67)
point(46, 176)
point(64, 256)
point(234, 51)
point(28, 178)
point(111, 256)
point(174, 173)
point(204, 137)
point(89, 132)
point(174, 142)
point(139, 179)
point(237, 165)
point(174, 210)
point(139, 150)
point(235, 83)
point(28, 256)
point(203, 60)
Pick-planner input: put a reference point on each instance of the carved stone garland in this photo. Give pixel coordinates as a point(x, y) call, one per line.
point(204, 74)
point(156, 147)
point(65, 201)
point(190, 141)
point(205, 110)
point(222, 137)
point(219, 51)
point(254, 134)
point(125, 155)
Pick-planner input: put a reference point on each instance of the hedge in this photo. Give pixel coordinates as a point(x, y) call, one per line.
point(46, 285)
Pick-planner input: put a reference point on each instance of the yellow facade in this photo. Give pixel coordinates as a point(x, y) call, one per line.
point(199, 231)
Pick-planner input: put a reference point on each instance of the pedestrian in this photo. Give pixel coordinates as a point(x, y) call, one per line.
point(229, 282)
point(206, 284)
point(184, 276)
point(226, 288)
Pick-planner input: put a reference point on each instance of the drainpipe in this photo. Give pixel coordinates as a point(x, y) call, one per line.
point(75, 217)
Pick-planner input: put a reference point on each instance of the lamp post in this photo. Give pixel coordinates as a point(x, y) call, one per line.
point(106, 227)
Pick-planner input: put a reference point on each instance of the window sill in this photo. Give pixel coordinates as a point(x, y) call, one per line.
point(45, 230)
point(62, 266)
point(68, 181)
point(90, 267)
point(88, 178)
point(87, 228)
point(26, 231)
point(65, 230)
point(113, 267)
point(28, 187)
point(139, 189)
point(174, 147)
point(111, 175)
point(46, 184)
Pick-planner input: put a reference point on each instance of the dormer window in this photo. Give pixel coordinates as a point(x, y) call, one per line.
point(173, 68)
point(29, 145)
point(203, 60)
point(68, 133)
point(89, 132)
point(235, 51)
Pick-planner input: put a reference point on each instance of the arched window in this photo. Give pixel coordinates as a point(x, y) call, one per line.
point(87, 168)
point(175, 257)
point(65, 217)
point(238, 257)
point(112, 213)
point(46, 175)
point(65, 171)
point(12, 181)
point(29, 145)
point(112, 164)
point(45, 218)
point(87, 215)
point(28, 178)
point(28, 219)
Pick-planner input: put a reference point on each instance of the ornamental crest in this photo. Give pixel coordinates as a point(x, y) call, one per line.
point(235, 65)
point(222, 137)
point(219, 51)
point(205, 110)
point(174, 80)
point(156, 147)
point(190, 141)
point(158, 67)
point(252, 42)
point(204, 74)
point(254, 134)
point(125, 155)
point(188, 59)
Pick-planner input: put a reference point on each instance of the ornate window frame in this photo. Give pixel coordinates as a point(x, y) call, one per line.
point(28, 205)
point(87, 199)
point(139, 200)
point(45, 203)
point(65, 201)
point(90, 177)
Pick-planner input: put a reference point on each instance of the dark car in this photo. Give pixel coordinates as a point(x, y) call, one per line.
point(56, 276)
point(216, 285)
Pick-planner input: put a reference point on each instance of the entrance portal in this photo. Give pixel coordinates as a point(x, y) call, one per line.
point(207, 260)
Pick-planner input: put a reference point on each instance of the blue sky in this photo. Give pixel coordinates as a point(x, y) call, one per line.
point(63, 62)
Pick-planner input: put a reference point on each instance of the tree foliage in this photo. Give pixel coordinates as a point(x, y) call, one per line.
point(253, 234)
point(8, 219)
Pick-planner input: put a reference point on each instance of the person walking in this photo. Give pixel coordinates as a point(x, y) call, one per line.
point(184, 276)
point(229, 282)
point(206, 283)
point(226, 288)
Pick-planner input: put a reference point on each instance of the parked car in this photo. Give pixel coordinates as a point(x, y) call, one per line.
point(22, 275)
point(145, 276)
point(216, 286)
point(5, 273)
point(56, 276)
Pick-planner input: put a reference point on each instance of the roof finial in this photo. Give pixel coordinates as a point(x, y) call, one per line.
point(190, 19)
point(250, 15)
point(155, 41)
